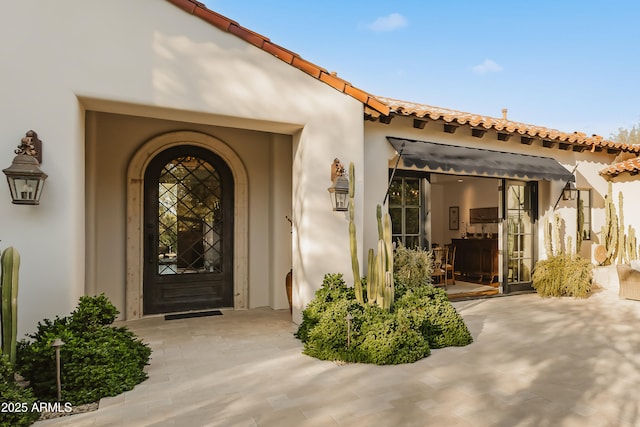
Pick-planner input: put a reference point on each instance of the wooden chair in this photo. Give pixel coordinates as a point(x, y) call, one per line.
point(449, 271)
point(439, 275)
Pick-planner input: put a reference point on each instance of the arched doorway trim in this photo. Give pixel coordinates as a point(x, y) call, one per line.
point(135, 209)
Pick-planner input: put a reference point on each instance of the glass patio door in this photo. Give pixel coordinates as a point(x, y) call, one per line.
point(520, 206)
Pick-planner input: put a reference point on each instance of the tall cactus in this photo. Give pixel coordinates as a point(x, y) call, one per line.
point(10, 261)
point(353, 243)
point(380, 287)
point(609, 231)
point(580, 226)
point(631, 244)
point(622, 248)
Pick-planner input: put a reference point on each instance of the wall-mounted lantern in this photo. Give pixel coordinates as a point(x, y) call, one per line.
point(569, 192)
point(339, 190)
point(24, 175)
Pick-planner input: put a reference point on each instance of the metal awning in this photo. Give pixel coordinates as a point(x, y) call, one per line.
point(453, 159)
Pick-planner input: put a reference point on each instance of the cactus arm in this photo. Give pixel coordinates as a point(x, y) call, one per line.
point(353, 242)
point(379, 218)
point(10, 261)
point(371, 277)
point(380, 272)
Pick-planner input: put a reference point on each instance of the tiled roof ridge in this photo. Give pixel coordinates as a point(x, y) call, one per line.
point(631, 166)
point(408, 108)
point(225, 24)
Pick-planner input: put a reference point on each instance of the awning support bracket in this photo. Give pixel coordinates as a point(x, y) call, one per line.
point(393, 173)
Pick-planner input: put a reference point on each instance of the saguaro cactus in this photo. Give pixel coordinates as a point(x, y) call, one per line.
point(380, 287)
point(10, 261)
point(622, 248)
point(580, 226)
point(631, 244)
point(355, 265)
point(609, 231)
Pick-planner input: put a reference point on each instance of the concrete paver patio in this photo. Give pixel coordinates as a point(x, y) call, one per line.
point(533, 362)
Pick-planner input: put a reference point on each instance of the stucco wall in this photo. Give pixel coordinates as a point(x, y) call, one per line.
point(150, 59)
point(116, 137)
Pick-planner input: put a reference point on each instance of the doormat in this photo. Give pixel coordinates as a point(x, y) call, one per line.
point(193, 314)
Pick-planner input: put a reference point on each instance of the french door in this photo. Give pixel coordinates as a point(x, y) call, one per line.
point(519, 231)
point(188, 216)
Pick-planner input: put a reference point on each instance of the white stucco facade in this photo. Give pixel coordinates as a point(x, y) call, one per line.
point(97, 81)
point(107, 85)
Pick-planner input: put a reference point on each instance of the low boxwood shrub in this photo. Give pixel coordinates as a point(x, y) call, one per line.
point(17, 401)
point(563, 275)
point(97, 359)
point(421, 318)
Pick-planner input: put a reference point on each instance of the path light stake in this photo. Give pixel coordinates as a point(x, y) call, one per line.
point(57, 343)
point(349, 319)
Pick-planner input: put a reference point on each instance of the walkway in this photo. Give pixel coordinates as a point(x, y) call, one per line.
point(535, 362)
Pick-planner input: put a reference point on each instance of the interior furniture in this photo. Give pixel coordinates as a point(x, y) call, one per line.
point(476, 258)
point(438, 276)
point(629, 282)
point(449, 270)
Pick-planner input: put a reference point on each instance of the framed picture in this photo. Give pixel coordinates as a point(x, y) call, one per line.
point(454, 217)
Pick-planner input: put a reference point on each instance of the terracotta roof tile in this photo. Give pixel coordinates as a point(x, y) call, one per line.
point(631, 166)
point(225, 24)
point(405, 108)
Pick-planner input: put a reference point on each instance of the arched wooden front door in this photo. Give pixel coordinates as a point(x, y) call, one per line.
point(188, 220)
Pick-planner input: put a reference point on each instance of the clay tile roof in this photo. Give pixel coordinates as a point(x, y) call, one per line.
point(405, 108)
point(372, 105)
point(631, 166)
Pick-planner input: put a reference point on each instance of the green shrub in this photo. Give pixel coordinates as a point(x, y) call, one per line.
point(563, 275)
point(438, 321)
point(12, 394)
point(97, 360)
point(421, 319)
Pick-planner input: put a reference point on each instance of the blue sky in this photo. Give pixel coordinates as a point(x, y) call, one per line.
point(569, 65)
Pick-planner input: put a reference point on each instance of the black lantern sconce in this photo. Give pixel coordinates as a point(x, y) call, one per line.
point(24, 175)
point(569, 192)
point(339, 190)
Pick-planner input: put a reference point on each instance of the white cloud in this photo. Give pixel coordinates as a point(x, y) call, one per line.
point(390, 22)
point(488, 66)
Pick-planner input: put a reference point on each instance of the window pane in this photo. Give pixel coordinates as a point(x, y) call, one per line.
point(395, 192)
point(412, 241)
point(412, 192)
point(396, 220)
point(412, 221)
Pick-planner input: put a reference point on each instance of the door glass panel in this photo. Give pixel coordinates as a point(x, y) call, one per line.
point(189, 217)
point(519, 233)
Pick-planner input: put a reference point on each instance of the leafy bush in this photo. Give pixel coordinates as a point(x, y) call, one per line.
point(436, 318)
point(563, 275)
point(97, 360)
point(421, 319)
point(12, 394)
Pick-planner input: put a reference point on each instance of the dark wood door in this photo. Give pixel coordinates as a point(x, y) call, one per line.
point(188, 250)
